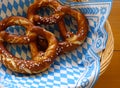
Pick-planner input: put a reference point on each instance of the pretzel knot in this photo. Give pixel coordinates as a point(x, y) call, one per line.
point(70, 40)
point(40, 60)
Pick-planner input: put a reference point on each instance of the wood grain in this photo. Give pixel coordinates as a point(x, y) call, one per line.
point(114, 19)
point(111, 77)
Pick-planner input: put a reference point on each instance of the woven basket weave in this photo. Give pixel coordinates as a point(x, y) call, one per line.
point(107, 53)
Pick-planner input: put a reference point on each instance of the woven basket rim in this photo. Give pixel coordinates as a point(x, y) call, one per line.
point(107, 53)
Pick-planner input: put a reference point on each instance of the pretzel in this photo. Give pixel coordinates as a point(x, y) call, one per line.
point(70, 40)
point(53, 18)
point(41, 60)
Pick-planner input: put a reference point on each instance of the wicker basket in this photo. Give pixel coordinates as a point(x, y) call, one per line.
point(107, 53)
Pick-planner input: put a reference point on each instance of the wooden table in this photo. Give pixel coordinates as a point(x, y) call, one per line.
point(111, 77)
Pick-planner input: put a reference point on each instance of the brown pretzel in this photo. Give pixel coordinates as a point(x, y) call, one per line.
point(71, 41)
point(41, 60)
point(37, 19)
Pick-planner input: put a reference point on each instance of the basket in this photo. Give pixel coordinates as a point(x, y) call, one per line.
point(107, 53)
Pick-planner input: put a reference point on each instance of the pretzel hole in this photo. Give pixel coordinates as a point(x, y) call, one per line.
point(42, 43)
point(71, 24)
point(18, 30)
point(45, 11)
point(18, 50)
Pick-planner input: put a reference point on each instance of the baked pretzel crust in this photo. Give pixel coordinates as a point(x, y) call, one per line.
point(40, 60)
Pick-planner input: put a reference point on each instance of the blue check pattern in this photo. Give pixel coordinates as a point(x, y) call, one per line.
point(78, 68)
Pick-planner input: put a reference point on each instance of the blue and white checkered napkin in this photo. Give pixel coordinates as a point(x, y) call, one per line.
point(78, 68)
